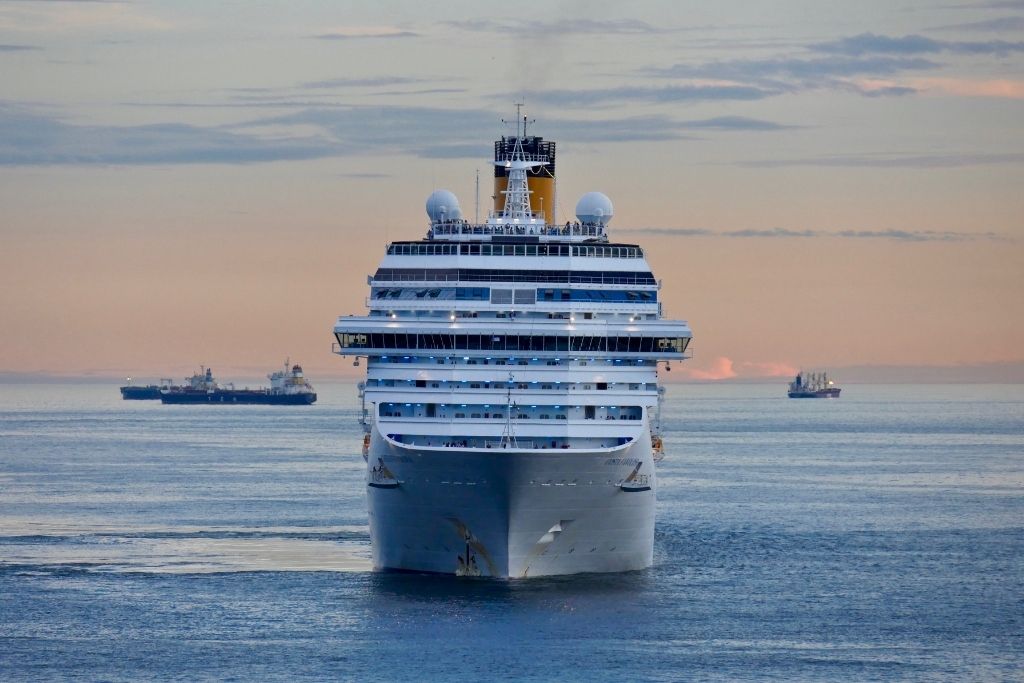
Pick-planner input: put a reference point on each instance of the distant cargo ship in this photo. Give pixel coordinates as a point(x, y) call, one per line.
point(150, 392)
point(287, 388)
point(815, 385)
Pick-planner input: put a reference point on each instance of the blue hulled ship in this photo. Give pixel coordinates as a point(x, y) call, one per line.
point(287, 388)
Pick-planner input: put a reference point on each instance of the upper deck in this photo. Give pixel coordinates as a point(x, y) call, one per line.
point(525, 230)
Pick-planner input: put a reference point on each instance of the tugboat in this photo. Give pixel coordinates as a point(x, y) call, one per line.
point(813, 386)
point(287, 388)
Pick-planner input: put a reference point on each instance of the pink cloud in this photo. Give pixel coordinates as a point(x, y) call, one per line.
point(721, 368)
point(725, 368)
point(958, 87)
point(963, 87)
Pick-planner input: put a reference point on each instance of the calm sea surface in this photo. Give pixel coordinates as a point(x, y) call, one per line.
point(877, 537)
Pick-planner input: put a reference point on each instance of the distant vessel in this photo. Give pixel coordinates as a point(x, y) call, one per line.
point(814, 385)
point(150, 392)
point(287, 388)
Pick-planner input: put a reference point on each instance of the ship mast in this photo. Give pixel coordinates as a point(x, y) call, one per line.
point(517, 164)
point(508, 435)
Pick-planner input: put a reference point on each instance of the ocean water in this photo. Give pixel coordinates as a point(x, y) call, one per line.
point(877, 537)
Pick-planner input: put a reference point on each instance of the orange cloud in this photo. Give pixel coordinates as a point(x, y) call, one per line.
point(721, 368)
point(725, 368)
point(962, 87)
point(957, 87)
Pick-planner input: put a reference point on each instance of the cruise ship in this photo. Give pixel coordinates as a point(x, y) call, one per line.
point(511, 403)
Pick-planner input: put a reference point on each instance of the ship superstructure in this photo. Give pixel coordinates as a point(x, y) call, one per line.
point(149, 392)
point(511, 398)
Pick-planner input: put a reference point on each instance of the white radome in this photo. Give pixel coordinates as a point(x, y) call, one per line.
point(596, 208)
point(443, 205)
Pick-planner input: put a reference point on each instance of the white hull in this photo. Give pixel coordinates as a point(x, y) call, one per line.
point(522, 513)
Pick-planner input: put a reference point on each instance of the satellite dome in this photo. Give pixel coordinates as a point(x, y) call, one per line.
point(594, 207)
point(443, 205)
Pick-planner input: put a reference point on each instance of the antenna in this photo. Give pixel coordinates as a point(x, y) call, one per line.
point(520, 118)
point(476, 212)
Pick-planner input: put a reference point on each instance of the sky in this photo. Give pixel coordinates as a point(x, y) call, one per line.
point(817, 184)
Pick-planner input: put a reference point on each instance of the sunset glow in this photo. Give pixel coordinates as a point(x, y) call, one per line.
point(185, 184)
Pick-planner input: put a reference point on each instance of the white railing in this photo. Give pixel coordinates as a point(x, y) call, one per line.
point(465, 228)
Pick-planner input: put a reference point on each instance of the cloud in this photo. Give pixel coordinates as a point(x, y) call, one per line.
point(19, 48)
point(964, 87)
point(734, 123)
point(240, 102)
point(1002, 24)
point(894, 235)
point(804, 71)
point(30, 138)
point(864, 64)
point(80, 16)
point(420, 91)
point(704, 232)
point(773, 232)
point(423, 130)
point(885, 161)
point(873, 87)
point(674, 232)
point(626, 129)
point(674, 94)
point(721, 368)
point(874, 44)
point(306, 94)
point(560, 27)
point(921, 235)
point(385, 127)
point(365, 32)
point(891, 91)
point(454, 151)
point(358, 82)
point(1001, 4)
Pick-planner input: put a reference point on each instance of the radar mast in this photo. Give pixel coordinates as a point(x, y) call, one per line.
point(516, 164)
